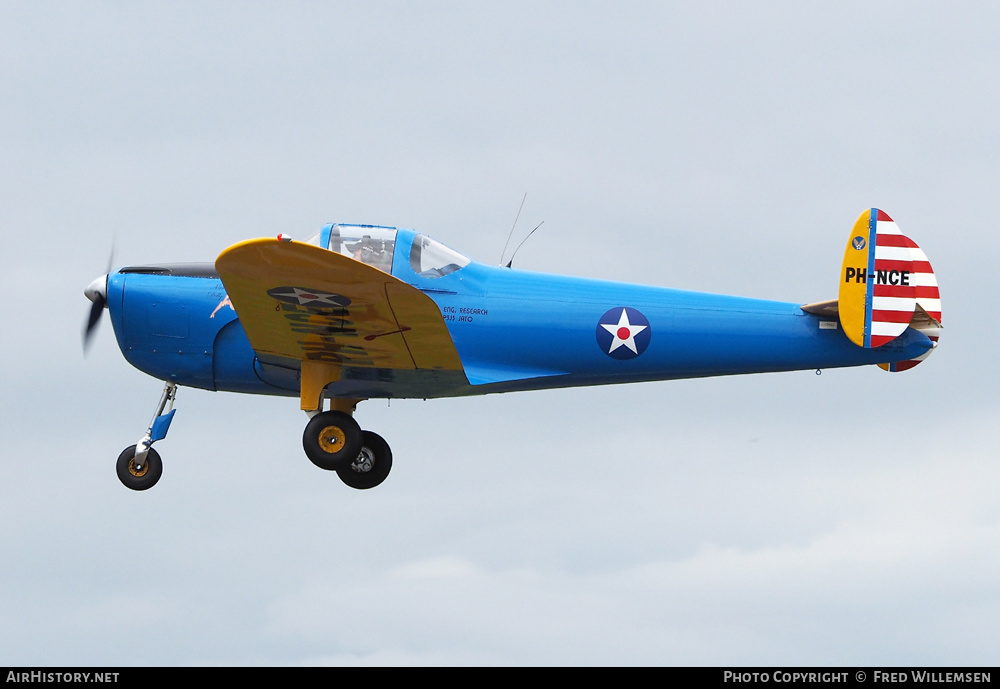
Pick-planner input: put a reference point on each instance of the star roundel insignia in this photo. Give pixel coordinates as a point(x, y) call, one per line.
point(309, 298)
point(623, 333)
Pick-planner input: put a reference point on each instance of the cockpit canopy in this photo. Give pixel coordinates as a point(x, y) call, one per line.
point(369, 244)
point(375, 246)
point(432, 259)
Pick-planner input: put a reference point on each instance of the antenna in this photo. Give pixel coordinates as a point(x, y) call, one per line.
point(512, 230)
point(522, 243)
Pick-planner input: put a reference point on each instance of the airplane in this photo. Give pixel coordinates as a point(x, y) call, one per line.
point(360, 312)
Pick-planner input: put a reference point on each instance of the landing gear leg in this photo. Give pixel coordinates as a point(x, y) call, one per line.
point(139, 466)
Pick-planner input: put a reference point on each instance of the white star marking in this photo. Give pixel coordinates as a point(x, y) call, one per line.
point(624, 333)
point(306, 297)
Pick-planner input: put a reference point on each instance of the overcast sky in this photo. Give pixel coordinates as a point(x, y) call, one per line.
point(786, 519)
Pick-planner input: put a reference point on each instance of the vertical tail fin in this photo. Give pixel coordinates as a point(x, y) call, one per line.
point(887, 285)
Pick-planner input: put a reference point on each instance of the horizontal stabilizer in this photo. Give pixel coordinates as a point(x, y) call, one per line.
point(827, 309)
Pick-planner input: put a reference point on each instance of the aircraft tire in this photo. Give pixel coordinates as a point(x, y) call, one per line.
point(332, 440)
point(371, 466)
point(143, 480)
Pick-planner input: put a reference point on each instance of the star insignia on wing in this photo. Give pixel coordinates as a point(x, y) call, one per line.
point(309, 298)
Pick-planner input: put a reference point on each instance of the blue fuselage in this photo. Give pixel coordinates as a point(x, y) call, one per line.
point(513, 330)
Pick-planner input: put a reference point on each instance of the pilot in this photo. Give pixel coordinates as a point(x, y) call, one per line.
point(368, 250)
point(357, 250)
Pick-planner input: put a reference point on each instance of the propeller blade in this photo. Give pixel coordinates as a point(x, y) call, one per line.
point(96, 309)
point(97, 292)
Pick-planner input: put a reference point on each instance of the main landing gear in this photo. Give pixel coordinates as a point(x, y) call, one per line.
point(334, 441)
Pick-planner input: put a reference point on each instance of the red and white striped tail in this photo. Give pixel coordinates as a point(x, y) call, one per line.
point(887, 285)
point(927, 316)
point(893, 299)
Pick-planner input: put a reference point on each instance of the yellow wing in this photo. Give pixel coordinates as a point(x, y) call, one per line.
point(300, 303)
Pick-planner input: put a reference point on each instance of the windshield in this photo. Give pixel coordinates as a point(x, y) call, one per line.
point(431, 259)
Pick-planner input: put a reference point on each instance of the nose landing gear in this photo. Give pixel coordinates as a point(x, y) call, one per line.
point(139, 466)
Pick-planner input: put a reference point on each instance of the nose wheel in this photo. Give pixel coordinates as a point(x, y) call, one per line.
point(139, 476)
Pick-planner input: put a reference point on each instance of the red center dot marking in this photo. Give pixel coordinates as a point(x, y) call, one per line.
point(623, 333)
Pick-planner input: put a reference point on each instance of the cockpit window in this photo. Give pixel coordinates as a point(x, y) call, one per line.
point(431, 259)
point(365, 243)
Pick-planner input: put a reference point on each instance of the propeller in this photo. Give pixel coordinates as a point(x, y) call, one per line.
point(97, 293)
